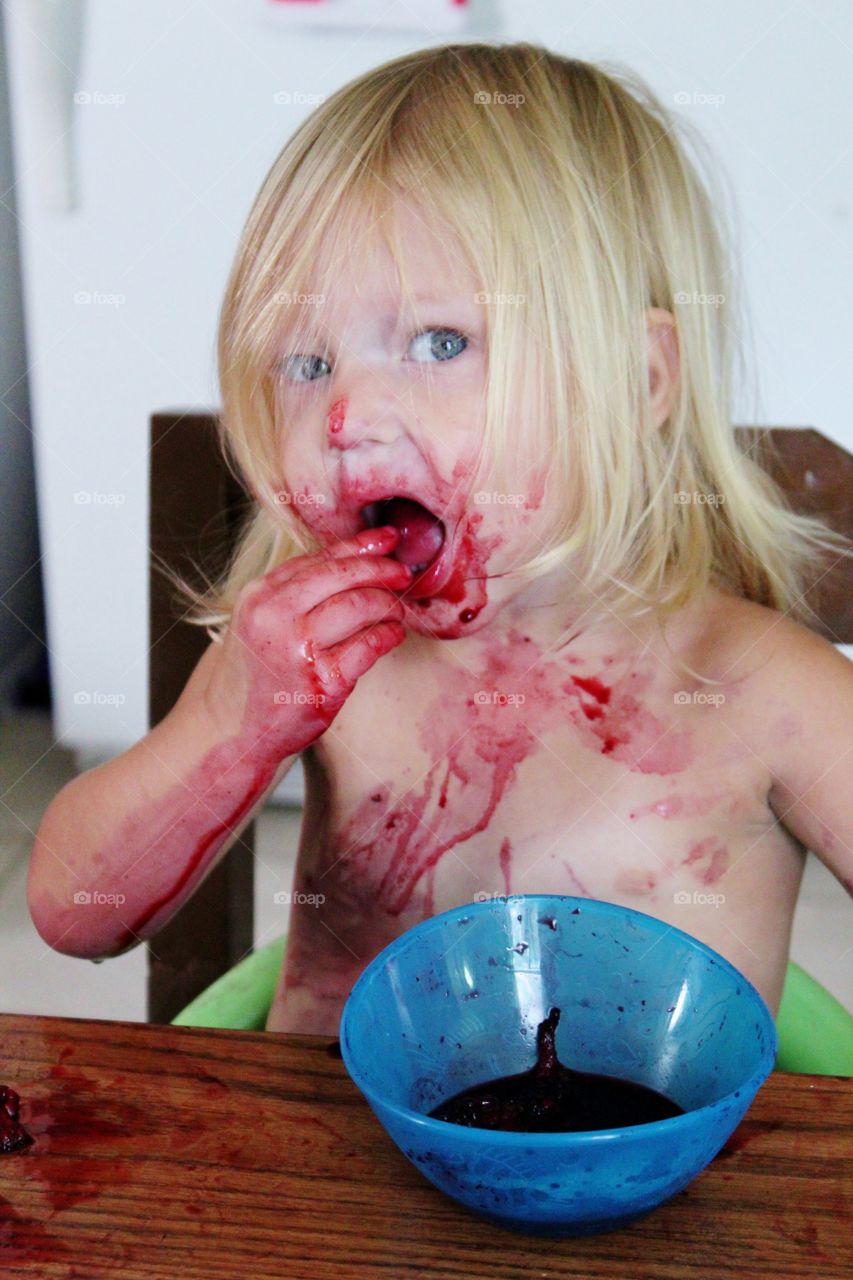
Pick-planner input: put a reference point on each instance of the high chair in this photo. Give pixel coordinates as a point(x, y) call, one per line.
point(197, 507)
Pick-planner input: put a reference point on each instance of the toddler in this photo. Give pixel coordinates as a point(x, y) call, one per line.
point(529, 614)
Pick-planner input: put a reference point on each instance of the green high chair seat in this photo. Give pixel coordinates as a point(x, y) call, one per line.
point(815, 1030)
point(240, 1000)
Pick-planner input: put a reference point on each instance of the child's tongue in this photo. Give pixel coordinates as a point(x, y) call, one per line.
point(421, 533)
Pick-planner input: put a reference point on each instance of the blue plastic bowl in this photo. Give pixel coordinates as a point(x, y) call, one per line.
point(456, 1001)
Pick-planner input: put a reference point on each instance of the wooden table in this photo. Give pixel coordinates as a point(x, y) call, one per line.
point(165, 1152)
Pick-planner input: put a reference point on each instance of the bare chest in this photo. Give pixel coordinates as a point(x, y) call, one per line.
point(607, 779)
point(596, 775)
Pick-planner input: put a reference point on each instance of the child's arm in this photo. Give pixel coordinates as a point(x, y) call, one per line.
point(132, 832)
point(812, 767)
point(122, 847)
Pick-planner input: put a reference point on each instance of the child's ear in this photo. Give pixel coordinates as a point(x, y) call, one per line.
point(664, 362)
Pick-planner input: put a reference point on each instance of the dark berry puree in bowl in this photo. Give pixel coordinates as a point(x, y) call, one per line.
point(551, 1098)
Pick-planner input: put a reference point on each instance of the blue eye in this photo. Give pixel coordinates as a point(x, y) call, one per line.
point(304, 368)
point(446, 347)
point(432, 345)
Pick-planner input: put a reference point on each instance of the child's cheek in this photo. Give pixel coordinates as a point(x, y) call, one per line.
point(304, 496)
point(511, 522)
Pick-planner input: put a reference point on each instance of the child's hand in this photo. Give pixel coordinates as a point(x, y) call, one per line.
point(300, 637)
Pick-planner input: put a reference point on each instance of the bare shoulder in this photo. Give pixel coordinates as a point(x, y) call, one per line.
point(795, 709)
point(741, 641)
point(803, 676)
point(786, 687)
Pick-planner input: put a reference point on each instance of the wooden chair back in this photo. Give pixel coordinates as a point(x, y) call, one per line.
point(195, 509)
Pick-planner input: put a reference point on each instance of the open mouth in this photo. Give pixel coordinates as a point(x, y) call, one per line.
point(421, 532)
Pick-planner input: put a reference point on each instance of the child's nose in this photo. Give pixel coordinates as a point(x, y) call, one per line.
point(363, 416)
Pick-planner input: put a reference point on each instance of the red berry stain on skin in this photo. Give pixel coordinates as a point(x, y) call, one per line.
point(416, 848)
point(626, 731)
point(709, 858)
point(381, 853)
point(337, 416)
point(467, 581)
point(597, 690)
point(259, 779)
point(469, 567)
point(584, 892)
point(635, 882)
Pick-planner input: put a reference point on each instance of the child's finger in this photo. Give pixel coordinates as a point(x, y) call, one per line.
point(379, 541)
point(347, 612)
point(366, 543)
point(321, 580)
point(344, 663)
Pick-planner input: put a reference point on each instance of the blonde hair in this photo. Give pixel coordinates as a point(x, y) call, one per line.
point(568, 184)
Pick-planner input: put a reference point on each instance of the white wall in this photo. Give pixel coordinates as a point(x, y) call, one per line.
point(165, 182)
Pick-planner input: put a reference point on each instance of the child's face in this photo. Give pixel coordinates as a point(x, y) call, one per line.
point(394, 407)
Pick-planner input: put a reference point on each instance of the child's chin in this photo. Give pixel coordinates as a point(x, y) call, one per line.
point(441, 620)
